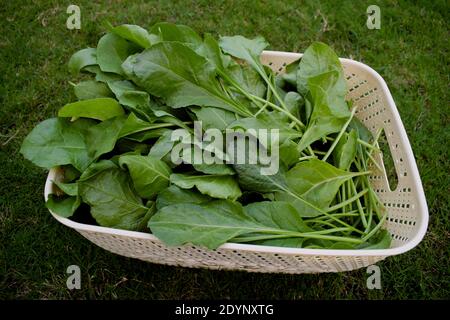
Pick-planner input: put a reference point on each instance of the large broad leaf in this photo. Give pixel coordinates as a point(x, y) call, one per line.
point(133, 125)
point(250, 178)
point(361, 129)
point(113, 201)
point(102, 138)
point(216, 186)
point(91, 89)
point(118, 87)
point(138, 102)
point(64, 207)
point(112, 50)
point(133, 33)
point(164, 116)
point(150, 175)
point(219, 168)
point(210, 49)
point(102, 76)
point(277, 214)
point(100, 109)
point(210, 224)
point(215, 169)
point(67, 205)
point(382, 240)
point(253, 175)
point(175, 195)
point(97, 167)
point(304, 208)
point(317, 181)
point(293, 101)
point(268, 123)
point(81, 59)
point(290, 74)
point(70, 173)
point(166, 31)
point(345, 151)
point(250, 51)
point(214, 118)
point(156, 132)
point(248, 79)
point(162, 146)
point(214, 223)
point(289, 153)
point(176, 73)
point(132, 98)
point(330, 111)
point(56, 142)
point(71, 189)
point(245, 49)
point(139, 130)
point(317, 59)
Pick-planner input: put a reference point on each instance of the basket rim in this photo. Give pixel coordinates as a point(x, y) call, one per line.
point(413, 242)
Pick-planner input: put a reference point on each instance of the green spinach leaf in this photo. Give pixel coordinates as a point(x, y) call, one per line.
point(277, 214)
point(56, 142)
point(150, 175)
point(133, 33)
point(176, 73)
point(102, 138)
point(345, 151)
point(317, 181)
point(91, 89)
point(175, 195)
point(330, 112)
point(113, 201)
point(112, 50)
point(81, 59)
point(214, 118)
point(64, 207)
point(318, 59)
point(209, 225)
point(99, 108)
point(216, 186)
point(166, 31)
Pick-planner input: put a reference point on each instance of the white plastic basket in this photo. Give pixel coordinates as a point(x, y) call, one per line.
point(407, 209)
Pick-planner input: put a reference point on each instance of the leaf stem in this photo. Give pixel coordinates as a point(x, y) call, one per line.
point(346, 202)
point(318, 209)
point(306, 158)
point(263, 108)
point(297, 235)
point(335, 142)
point(353, 213)
point(257, 99)
point(374, 230)
point(358, 203)
point(374, 161)
point(368, 145)
point(323, 222)
point(274, 106)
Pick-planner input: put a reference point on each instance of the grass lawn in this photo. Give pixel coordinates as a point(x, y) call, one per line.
point(410, 51)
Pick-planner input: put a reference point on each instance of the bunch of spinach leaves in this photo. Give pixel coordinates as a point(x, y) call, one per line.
point(114, 144)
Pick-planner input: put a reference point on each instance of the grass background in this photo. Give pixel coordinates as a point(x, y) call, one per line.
point(410, 51)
